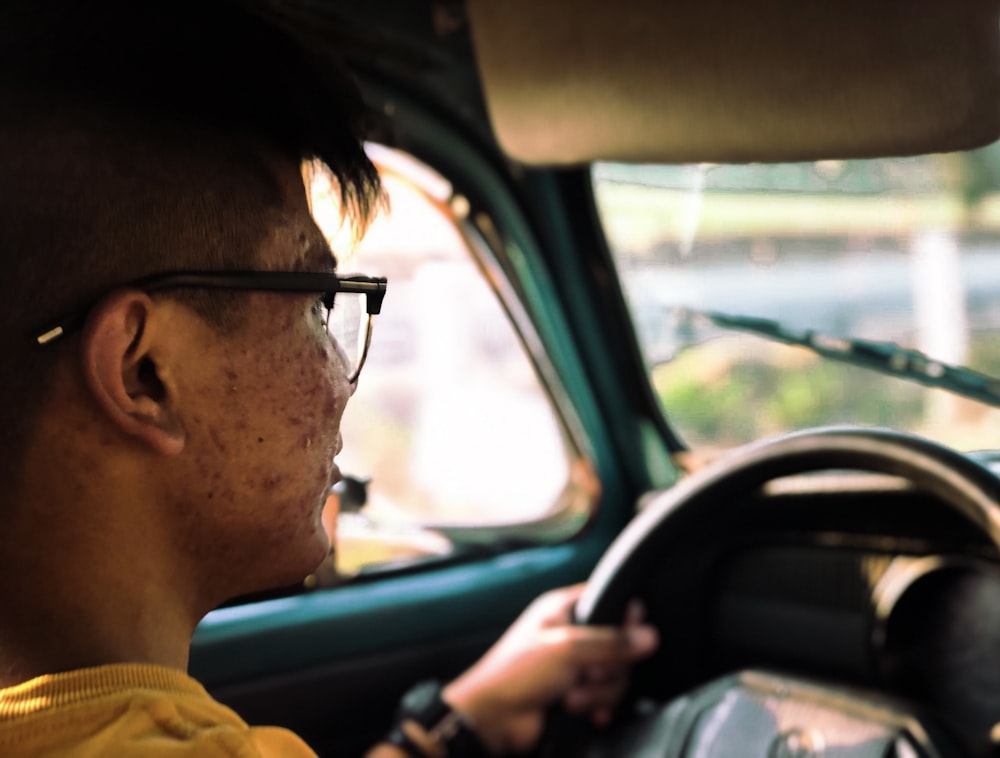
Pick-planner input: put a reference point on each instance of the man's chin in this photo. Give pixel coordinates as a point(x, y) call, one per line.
point(317, 552)
point(309, 559)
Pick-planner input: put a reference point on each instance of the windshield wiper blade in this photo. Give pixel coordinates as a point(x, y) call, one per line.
point(886, 357)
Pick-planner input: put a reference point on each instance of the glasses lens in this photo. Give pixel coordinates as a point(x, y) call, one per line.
point(347, 326)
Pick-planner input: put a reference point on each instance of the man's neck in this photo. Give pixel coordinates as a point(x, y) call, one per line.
point(70, 601)
point(53, 624)
point(47, 652)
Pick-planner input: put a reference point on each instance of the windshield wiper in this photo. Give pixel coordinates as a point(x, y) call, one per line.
point(886, 357)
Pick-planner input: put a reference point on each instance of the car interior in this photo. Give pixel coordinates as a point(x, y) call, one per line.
point(695, 302)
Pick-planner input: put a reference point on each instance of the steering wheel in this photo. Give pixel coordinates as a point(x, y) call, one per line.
point(785, 716)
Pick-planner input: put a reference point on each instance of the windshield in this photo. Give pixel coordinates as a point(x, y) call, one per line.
point(752, 286)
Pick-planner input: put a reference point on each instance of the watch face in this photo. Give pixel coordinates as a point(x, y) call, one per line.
point(423, 704)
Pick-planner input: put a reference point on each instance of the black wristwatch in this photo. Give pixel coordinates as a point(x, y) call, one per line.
point(450, 731)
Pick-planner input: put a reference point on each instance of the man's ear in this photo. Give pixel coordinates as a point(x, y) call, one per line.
point(120, 353)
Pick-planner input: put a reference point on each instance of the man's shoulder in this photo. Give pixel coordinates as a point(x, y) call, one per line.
point(129, 711)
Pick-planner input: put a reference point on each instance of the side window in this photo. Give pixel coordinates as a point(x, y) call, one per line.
point(450, 432)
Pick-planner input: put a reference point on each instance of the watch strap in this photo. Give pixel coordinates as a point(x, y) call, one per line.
point(449, 732)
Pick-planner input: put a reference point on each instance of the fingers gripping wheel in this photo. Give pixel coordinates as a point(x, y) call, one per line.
point(710, 495)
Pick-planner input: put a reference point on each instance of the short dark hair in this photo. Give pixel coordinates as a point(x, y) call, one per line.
point(133, 138)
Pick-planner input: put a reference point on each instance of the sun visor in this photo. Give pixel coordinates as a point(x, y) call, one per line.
point(570, 81)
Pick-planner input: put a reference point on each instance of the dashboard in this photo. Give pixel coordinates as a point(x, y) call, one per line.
point(841, 586)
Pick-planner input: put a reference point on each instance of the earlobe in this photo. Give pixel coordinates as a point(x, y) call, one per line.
point(119, 354)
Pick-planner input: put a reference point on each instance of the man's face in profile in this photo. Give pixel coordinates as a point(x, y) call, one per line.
point(264, 405)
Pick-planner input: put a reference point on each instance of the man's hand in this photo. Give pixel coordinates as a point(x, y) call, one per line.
point(544, 658)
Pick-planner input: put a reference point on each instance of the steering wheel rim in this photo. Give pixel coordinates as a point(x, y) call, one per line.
point(959, 481)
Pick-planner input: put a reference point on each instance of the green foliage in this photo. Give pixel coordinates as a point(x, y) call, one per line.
point(768, 388)
point(985, 354)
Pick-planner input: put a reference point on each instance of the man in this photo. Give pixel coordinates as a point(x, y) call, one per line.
point(156, 463)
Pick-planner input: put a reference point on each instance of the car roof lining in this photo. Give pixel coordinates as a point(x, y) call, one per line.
point(730, 81)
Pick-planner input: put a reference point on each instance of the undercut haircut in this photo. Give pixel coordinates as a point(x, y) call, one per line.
point(133, 140)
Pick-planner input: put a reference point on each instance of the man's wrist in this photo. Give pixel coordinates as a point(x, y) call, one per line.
point(427, 726)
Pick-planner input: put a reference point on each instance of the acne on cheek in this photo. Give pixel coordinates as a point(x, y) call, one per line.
point(309, 398)
point(214, 478)
point(271, 483)
point(334, 404)
point(217, 440)
point(325, 403)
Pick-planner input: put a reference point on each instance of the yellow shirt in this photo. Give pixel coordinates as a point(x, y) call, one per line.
point(126, 710)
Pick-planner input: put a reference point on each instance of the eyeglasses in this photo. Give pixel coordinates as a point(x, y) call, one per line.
point(349, 324)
